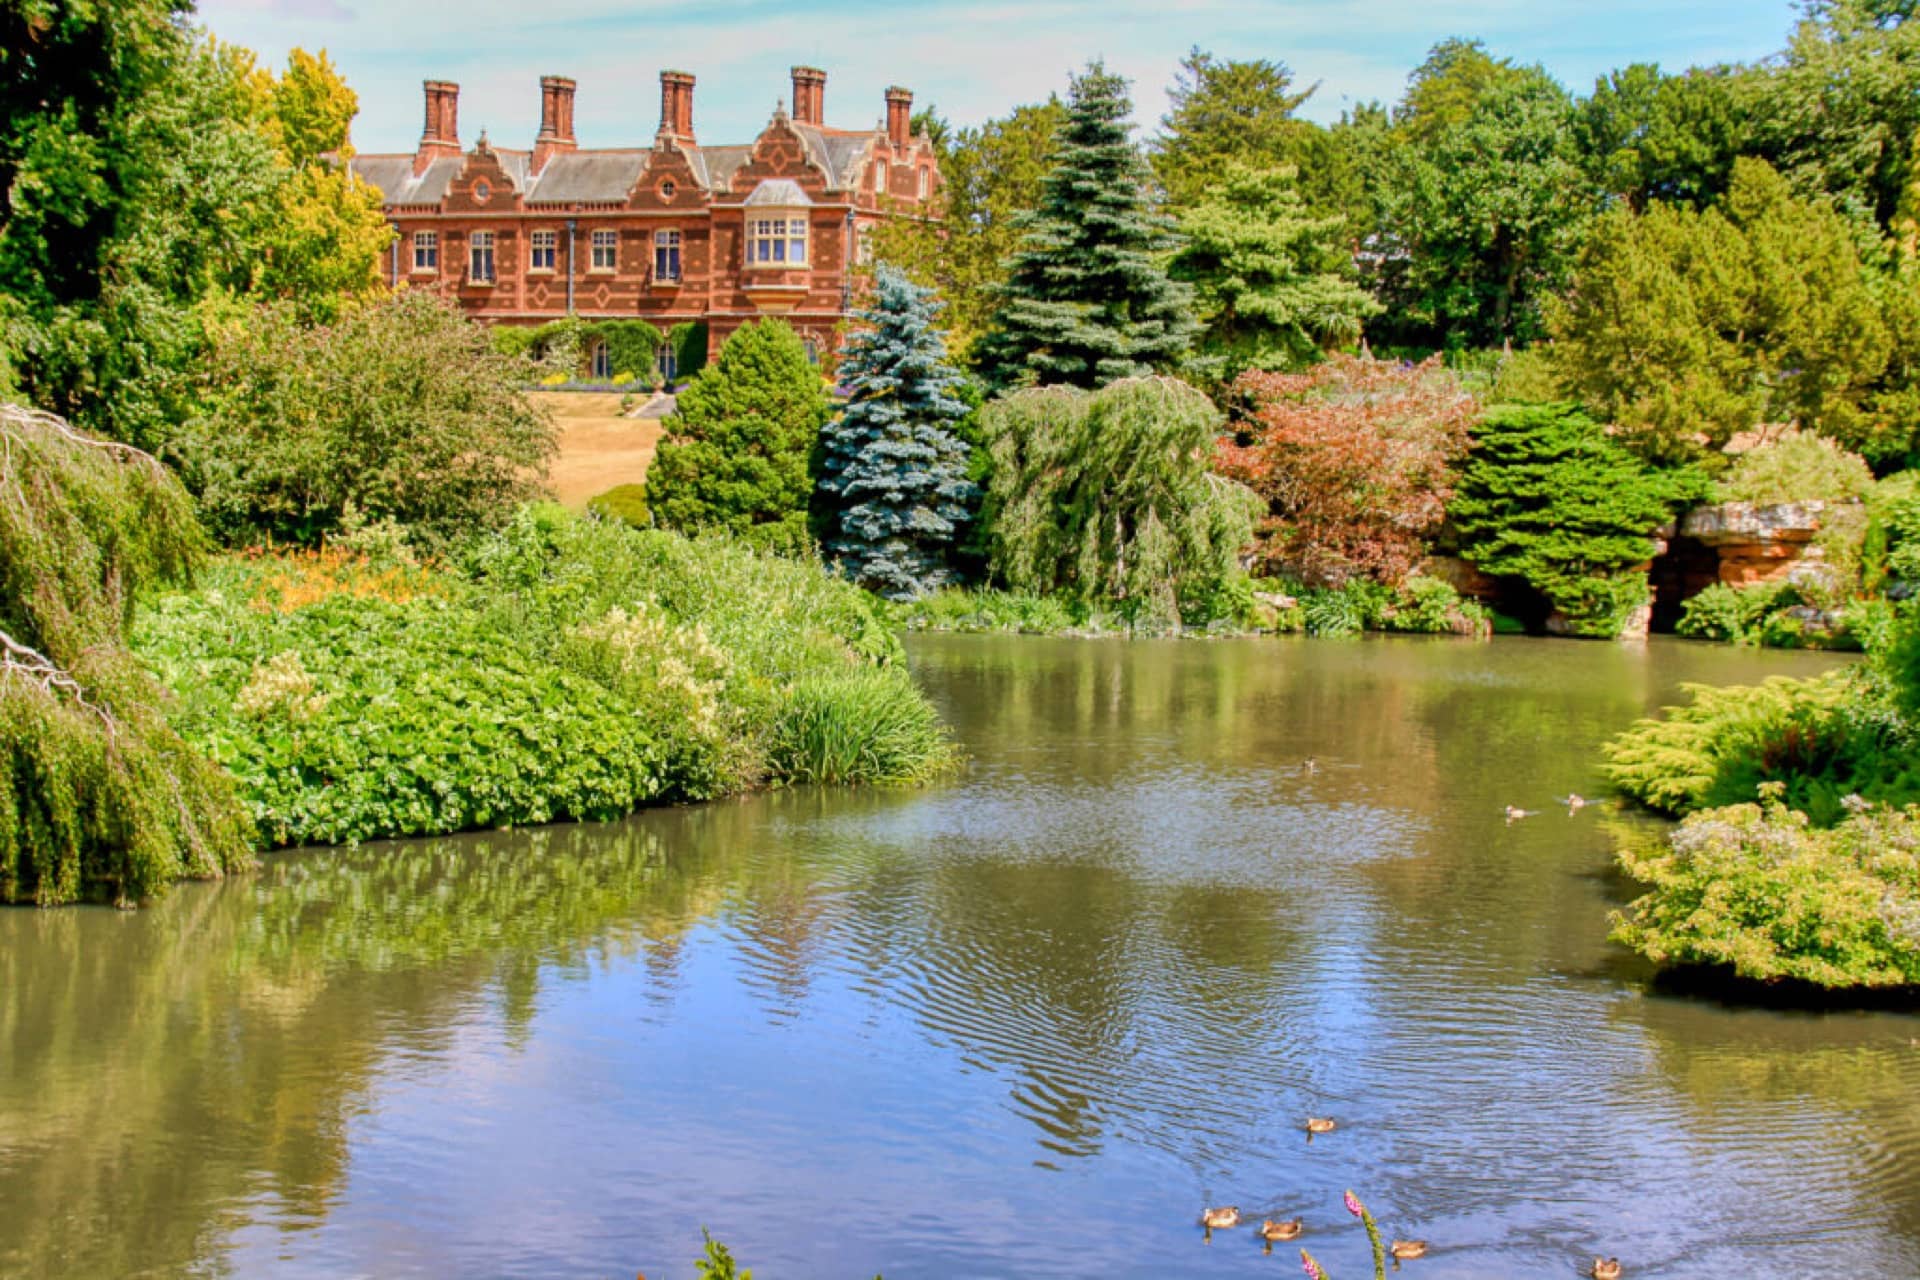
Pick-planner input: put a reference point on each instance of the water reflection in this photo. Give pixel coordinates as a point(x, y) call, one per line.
point(1025, 1024)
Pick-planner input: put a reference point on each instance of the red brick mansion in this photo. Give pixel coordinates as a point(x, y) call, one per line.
point(670, 233)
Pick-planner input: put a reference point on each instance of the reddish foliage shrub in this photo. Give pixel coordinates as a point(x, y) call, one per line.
point(1354, 460)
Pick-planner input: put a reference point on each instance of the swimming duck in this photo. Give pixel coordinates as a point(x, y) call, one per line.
point(1289, 1230)
point(1605, 1269)
point(1319, 1126)
point(1223, 1218)
point(1515, 814)
point(1576, 802)
point(1406, 1251)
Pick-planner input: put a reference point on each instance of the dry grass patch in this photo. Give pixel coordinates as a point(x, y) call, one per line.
point(598, 448)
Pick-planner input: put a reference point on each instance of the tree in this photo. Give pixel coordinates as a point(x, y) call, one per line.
point(1482, 212)
point(1107, 496)
point(1226, 112)
point(737, 448)
point(1546, 498)
point(98, 795)
point(1646, 136)
point(989, 177)
point(893, 473)
point(1087, 298)
point(1445, 90)
point(1353, 461)
point(1270, 281)
point(399, 411)
point(1686, 327)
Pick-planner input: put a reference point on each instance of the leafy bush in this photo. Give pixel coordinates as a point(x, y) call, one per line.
point(1352, 460)
point(626, 503)
point(1428, 606)
point(1106, 497)
point(736, 452)
point(1797, 466)
point(956, 609)
point(1547, 498)
point(1756, 888)
point(1356, 606)
point(865, 725)
point(400, 411)
point(1734, 614)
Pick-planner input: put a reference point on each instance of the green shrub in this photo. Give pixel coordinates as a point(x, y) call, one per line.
point(1547, 498)
point(1756, 888)
point(1797, 466)
point(1359, 604)
point(1734, 614)
point(626, 503)
point(866, 725)
point(357, 717)
point(400, 411)
point(958, 609)
point(1428, 606)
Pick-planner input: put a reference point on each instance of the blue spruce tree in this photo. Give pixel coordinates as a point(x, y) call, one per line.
point(893, 482)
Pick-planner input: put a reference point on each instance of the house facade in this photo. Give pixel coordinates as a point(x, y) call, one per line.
point(671, 233)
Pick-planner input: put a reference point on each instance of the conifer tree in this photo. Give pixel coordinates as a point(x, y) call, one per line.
point(1087, 299)
point(894, 476)
point(737, 449)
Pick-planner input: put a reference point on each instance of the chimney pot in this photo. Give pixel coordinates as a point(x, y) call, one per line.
point(441, 134)
point(556, 120)
point(676, 104)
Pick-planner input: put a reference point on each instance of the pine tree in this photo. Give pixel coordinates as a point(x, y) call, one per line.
point(1087, 299)
point(736, 451)
point(894, 476)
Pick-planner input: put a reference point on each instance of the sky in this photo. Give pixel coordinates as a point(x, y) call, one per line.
point(972, 59)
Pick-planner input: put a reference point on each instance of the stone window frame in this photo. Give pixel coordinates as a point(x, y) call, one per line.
point(880, 178)
point(926, 182)
point(426, 252)
point(668, 253)
point(543, 251)
point(482, 267)
point(771, 241)
point(604, 250)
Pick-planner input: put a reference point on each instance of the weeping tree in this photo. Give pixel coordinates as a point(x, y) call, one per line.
point(101, 798)
point(894, 473)
point(1109, 497)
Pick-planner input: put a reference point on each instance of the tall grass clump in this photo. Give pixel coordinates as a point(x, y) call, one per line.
point(868, 725)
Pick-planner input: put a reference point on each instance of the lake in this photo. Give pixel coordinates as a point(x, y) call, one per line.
point(1025, 1023)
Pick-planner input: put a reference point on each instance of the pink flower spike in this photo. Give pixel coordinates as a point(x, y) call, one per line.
point(1354, 1206)
point(1311, 1267)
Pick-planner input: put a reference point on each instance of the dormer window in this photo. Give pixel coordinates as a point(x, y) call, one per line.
point(777, 241)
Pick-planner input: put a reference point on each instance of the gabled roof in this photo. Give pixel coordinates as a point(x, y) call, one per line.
point(717, 165)
point(837, 152)
point(588, 177)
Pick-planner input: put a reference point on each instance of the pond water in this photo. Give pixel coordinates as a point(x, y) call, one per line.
point(1023, 1024)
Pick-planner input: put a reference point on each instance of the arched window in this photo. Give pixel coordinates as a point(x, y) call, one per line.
point(602, 362)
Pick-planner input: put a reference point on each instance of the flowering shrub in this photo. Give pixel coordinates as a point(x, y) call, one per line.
point(1757, 888)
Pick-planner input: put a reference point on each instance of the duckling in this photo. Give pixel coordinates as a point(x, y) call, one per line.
point(1514, 814)
point(1223, 1218)
point(1605, 1269)
point(1319, 1126)
point(1288, 1230)
point(1575, 803)
point(1406, 1251)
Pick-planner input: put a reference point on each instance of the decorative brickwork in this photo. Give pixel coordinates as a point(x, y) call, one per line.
point(668, 233)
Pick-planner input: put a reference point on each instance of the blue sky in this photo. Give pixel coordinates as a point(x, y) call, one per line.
point(973, 59)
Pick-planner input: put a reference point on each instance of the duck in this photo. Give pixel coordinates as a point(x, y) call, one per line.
point(1223, 1218)
point(1319, 1126)
point(1576, 802)
point(1407, 1251)
point(1514, 813)
point(1288, 1230)
point(1605, 1269)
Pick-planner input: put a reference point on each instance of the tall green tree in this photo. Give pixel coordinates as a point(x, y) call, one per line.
point(1224, 111)
point(990, 175)
point(1644, 135)
point(1684, 327)
point(1484, 208)
point(738, 447)
point(1444, 90)
point(893, 476)
point(1272, 283)
point(1087, 298)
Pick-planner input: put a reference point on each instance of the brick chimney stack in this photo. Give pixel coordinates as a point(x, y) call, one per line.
point(899, 115)
point(556, 121)
point(809, 96)
point(676, 105)
point(441, 136)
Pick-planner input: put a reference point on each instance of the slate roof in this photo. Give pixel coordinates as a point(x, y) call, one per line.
point(393, 175)
point(588, 177)
point(783, 193)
